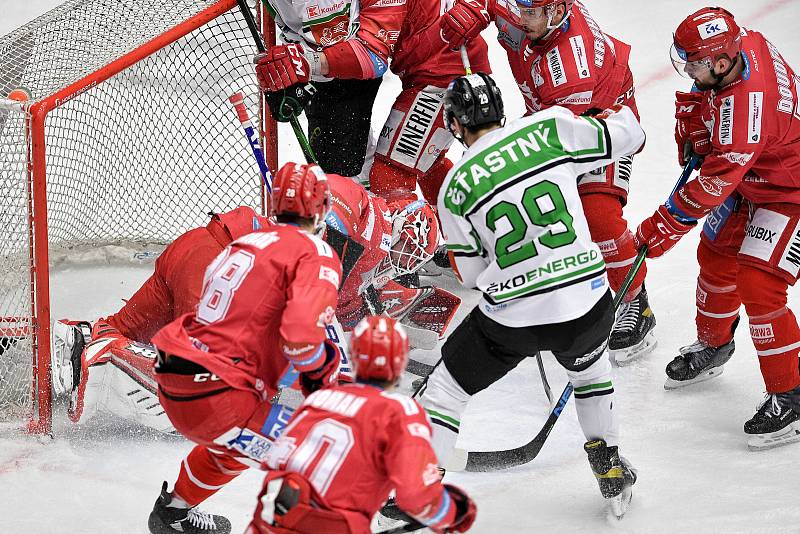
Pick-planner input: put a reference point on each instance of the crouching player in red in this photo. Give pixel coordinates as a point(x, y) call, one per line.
point(259, 324)
point(348, 446)
point(108, 367)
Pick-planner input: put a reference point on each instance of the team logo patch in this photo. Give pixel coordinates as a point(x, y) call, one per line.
point(726, 121)
point(762, 333)
point(740, 158)
point(712, 28)
point(557, 73)
point(330, 275)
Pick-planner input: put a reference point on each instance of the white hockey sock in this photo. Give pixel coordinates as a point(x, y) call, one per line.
point(445, 401)
point(594, 401)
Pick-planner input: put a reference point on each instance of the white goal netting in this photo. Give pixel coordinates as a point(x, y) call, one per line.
point(139, 157)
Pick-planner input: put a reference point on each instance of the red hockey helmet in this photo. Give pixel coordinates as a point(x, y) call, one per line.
point(415, 235)
point(302, 191)
point(379, 349)
point(702, 38)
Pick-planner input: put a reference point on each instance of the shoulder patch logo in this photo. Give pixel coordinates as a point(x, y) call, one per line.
point(557, 73)
point(579, 53)
point(754, 117)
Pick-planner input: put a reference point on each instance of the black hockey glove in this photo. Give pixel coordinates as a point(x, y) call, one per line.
point(289, 102)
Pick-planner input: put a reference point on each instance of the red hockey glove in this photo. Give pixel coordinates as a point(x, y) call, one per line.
point(465, 509)
point(325, 375)
point(660, 232)
point(691, 134)
point(464, 21)
point(285, 65)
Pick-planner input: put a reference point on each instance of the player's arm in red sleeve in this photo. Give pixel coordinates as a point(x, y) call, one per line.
point(366, 55)
point(310, 306)
point(411, 465)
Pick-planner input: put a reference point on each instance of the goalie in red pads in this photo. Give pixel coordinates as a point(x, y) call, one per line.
point(259, 325)
point(347, 447)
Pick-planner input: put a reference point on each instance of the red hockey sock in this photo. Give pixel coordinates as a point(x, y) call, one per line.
point(610, 231)
point(203, 473)
point(773, 327)
point(717, 300)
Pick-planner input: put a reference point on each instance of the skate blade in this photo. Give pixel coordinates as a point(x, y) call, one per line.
point(785, 436)
point(623, 357)
point(618, 505)
point(670, 384)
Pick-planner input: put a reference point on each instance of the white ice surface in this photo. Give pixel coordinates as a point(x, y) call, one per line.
point(696, 474)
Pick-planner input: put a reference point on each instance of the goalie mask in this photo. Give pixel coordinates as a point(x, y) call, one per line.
point(302, 191)
point(379, 349)
point(415, 236)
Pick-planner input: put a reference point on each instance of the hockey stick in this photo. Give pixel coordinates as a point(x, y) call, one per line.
point(495, 460)
point(298, 130)
point(237, 99)
point(642, 254)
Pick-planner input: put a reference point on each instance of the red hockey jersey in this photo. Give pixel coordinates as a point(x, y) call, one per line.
point(755, 135)
point(355, 444)
point(578, 66)
point(422, 58)
point(266, 291)
point(175, 285)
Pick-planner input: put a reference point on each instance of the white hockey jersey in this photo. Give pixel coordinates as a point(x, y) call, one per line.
point(513, 220)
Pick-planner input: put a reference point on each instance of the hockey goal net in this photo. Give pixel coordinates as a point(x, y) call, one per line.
point(128, 136)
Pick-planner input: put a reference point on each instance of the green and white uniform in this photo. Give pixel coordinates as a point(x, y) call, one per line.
point(513, 219)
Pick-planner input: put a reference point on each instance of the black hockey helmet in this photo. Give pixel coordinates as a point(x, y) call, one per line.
point(473, 100)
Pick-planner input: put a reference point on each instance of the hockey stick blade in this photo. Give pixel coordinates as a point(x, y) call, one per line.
point(408, 527)
point(497, 460)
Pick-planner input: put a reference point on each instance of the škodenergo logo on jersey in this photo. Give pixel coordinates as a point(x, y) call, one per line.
point(543, 271)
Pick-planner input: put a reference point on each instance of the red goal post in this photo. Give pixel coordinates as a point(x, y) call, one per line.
point(128, 139)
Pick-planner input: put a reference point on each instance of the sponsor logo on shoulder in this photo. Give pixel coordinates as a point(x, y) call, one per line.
point(579, 52)
point(754, 118)
point(726, 121)
point(741, 158)
point(557, 73)
point(330, 275)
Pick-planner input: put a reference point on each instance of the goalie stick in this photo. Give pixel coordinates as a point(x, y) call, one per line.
point(298, 130)
point(496, 460)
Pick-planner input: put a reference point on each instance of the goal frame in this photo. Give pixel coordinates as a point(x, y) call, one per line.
point(38, 327)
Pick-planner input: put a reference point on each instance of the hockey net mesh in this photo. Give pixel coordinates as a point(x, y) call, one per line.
point(140, 157)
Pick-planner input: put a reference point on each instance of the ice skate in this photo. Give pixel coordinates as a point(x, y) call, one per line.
point(69, 339)
point(632, 336)
point(776, 422)
point(439, 265)
point(696, 363)
point(614, 474)
point(166, 519)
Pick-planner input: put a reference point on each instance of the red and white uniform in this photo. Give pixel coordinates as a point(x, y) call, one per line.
point(119, 359)
point(266, 301)
point(580, 67)
point(414, 140)
point(750, 188)
point(174, 288)
point(358, 37)
point(354, 444)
